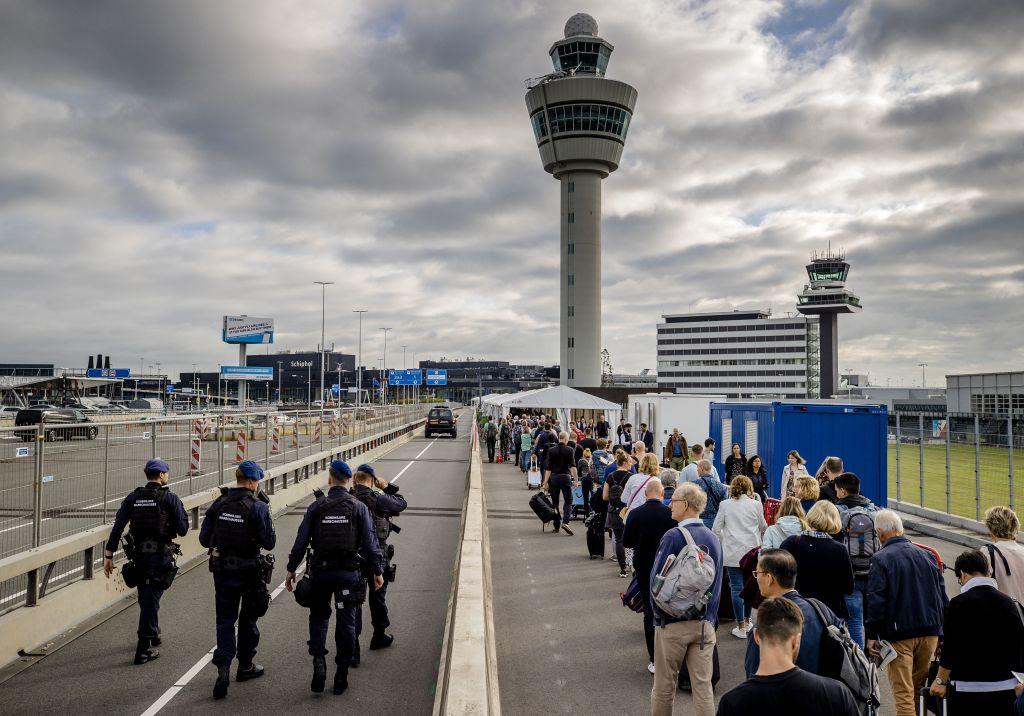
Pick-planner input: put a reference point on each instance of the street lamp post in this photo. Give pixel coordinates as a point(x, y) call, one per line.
point(405, 367)
point(279, 400)
point(922, 366)
point(323, 323)
point(195, 384)
point(384, 367)
point(359, 360)
point(309, 387)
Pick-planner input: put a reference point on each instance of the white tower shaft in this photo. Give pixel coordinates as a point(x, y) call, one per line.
point(580, 322)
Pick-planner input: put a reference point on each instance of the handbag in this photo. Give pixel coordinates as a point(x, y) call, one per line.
point(632, 598)
point(625, 510)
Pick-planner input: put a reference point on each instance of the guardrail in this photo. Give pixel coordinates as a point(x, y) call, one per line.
point(58, 502)
point(467, 683)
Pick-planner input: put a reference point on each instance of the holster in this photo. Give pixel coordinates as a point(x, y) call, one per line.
point(389, 573)
point(353, 596)
point(259, 600)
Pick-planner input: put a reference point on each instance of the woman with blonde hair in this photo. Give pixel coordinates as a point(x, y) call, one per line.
point(823, 568)
point(795, 467)
point(791, 521)
point(1005, 554)
point(739, 524)
point(807, 490)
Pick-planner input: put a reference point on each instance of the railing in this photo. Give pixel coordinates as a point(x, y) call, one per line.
point(59, 481)
point(957, 463)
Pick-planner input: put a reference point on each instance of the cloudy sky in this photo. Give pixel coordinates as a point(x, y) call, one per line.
point(165, 163)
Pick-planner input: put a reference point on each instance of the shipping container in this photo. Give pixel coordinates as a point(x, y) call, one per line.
point(664, 411)
point(856, 432)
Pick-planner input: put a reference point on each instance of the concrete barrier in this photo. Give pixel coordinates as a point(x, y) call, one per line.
point(33, 629)
point(468, 675)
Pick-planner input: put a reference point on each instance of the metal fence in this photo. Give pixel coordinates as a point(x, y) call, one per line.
point(60, 480)
point(958, 463)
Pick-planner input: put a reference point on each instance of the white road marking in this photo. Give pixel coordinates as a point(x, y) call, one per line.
point(402, 471)
point(200, 665)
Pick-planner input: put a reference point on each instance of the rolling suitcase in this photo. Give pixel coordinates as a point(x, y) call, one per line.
point(533, 475)
point(595, 535)
point(928, 704)
point(543, 508)
point(577, 501)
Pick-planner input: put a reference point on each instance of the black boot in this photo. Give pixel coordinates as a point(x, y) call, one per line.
point(340, 681)
point(248, 671)
point(319, 675)
point(156, 641)
point(144, 652)
point(354, 663)
point(220, 686)
point(381, 640)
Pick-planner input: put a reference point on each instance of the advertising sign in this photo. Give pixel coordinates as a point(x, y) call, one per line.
point(437, 377)
point(108, 373)
point(246, 329)
point(405, 377)
point(246, 372)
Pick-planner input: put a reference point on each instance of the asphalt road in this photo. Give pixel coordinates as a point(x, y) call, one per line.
point(565, 643)
point(93, 673)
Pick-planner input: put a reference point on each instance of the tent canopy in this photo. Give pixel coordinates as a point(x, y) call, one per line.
point(560, 398)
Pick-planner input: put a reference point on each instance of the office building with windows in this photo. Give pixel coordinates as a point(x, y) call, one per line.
point(740, 354)
point(989, 393)
point(580, 119)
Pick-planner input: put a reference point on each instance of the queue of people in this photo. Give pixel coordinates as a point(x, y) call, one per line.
point(831, 561)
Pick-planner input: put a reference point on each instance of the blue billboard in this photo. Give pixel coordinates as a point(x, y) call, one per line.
point(405, 377)
point(108, 373)
point(246, 329)
point(246, 372)
point(437, 377)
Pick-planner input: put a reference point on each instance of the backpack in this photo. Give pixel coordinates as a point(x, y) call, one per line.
point(615, 486)
point(860, 538)
point(842, 659)
point(684, 585)
point(713, 500)
point(492, 430)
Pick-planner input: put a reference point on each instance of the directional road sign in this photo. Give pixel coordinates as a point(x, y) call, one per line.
point(405, 377)
point(437, 377)
point(108, 372)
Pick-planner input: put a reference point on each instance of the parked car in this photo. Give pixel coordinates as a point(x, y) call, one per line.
point(57, 424)
point(440, 420)
point(8, 411)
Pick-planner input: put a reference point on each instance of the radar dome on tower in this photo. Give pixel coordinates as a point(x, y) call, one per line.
point(581, 24)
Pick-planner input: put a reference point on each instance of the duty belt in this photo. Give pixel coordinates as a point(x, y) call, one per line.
point(231, 563)
point(153, 547)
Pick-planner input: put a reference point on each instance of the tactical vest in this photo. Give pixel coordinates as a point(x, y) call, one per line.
point(150, 517)
point(381, 525)
point(232, 535)
point(335, 535)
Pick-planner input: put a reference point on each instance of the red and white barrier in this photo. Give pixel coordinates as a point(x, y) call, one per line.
point(316, 431)
point(332, 428)
point(295, 434)
point(241, 445)
point(196, 458)
point(275, 445)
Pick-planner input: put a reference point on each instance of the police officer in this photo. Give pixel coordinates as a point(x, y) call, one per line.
point(234, 529)
point(340, 529)
point(383, 506)
point(154, 516)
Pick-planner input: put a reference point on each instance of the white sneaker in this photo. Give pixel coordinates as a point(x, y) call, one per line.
point(650, 667)
point(739, 633)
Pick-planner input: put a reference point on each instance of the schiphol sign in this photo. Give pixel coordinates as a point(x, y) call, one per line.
point(405, 377)
point(246, 372)
point(247, 329)
point(437, 377)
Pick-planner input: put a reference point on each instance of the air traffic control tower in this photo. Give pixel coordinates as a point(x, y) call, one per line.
point(580, 119)
point(826, 296)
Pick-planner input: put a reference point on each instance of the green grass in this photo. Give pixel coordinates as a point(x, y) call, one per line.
point(992, 476)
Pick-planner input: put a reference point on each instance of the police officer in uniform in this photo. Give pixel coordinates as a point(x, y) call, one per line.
point(383, 506)
point(234, 529)
point(154, 516)
point(340, 529)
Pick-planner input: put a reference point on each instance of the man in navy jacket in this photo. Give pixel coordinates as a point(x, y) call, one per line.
point(676, 640)
point(906, 605)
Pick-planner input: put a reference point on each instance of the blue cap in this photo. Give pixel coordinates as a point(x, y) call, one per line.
point(368, 469)
point(251, 470)
point(156, 465)
point(341, 467)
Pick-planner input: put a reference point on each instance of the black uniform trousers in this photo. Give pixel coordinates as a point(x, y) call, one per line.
point(152, 565)
point(235, 594)
point(490, 449)
point(329, 592)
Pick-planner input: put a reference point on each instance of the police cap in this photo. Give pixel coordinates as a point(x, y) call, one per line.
point(156, 465)
point(341, 468)
point(251, 470)
point(367, 468)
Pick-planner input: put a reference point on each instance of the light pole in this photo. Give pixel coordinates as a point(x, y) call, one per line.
point(380, 372)
point(323, 321)
point(384, 367)
point(922, 366)
point(195, 384)
point(279, 400)
point(359, 360)
point(405, 367)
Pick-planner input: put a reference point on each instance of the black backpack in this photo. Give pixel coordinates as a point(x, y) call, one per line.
point(842, 659)
point(615, 485)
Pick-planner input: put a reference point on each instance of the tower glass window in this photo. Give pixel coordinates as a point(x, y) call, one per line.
point(582, 118)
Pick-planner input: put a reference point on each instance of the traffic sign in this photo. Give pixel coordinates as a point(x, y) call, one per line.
point(405, 377)
point(170, 388)
point(437, 377)
point(336, 388)
point(21, 452)
point(108, 373)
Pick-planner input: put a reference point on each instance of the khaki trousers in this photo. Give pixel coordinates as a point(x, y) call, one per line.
point(672, 644)
point(909, 670)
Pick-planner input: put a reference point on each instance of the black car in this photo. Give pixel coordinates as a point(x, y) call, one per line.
point(440, 420)
point(57, 424)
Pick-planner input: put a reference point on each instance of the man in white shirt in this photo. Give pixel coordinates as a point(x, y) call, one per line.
point(689, 473)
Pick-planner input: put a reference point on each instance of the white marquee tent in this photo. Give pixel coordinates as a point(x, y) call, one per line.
point(560, 399)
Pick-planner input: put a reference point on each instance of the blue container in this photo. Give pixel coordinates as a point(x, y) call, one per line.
point(855, 432)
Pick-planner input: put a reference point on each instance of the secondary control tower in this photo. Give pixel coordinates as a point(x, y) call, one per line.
point(826, 296)
point(580, 119)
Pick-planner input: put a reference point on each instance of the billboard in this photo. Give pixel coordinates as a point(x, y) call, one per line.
point(247, 329)
point(437, 377)
point(405, 377)
point(246, 372)
point(108, 372)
